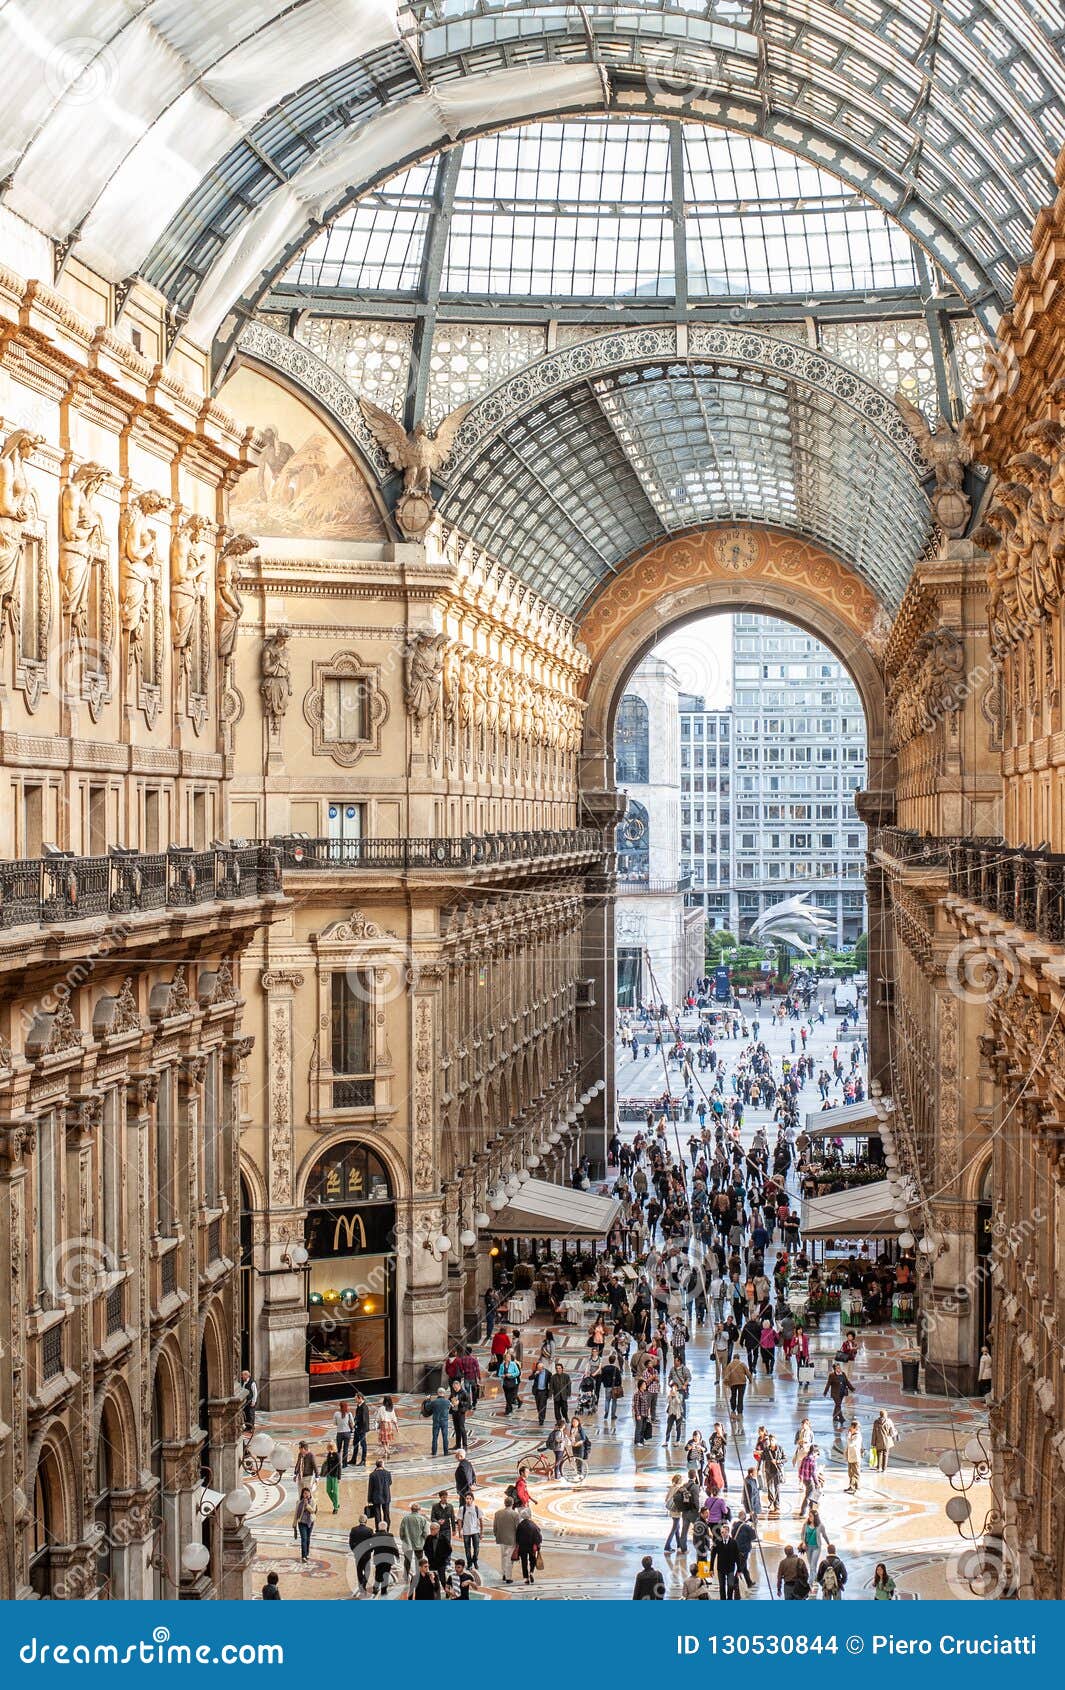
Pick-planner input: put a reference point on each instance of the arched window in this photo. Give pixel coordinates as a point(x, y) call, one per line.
point(349, 1173)
point(631, 741)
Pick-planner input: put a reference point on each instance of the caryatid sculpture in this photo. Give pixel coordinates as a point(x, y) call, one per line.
point(18, 508)
point(229, 606)
point(81, 540)
point(190, 570)
point(141, 568)
point(423, 672)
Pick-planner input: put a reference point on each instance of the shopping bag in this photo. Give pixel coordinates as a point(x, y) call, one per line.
point(702, 1569)
point(806, 1373)
point(872, 1458)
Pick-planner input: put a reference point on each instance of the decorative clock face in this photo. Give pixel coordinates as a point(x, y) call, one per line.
point(736, 550)
point(633, 828)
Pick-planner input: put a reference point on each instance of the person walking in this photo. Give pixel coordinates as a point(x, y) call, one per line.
point(649, 1585)
point(641, 1413)
point(882, 1439)
point(674, 1510)
point(387, 1426)
point(360, 1538)
point(612, 1389)
point(505, 1531)
point(343, 1428)
point(809, 1478)
point(459, 1406)
point(793, 1581)
point(465, 1474)
point(331, 1474)
point(674, 1416)
point(270, 1591)
point(853, 1451)
point(737, 1377)
point(426, 1587)
point(745, 1536)
point(413, 1531)
point(360, 1415)
point(379, 1495)
point(510, 1379)
point(540, 1379)
point(527, 1540)
point(303, 1521)
point(440, 1417)
point(560, 1390)
point(471, 1524)
point(249, 1390)
point(839, 1388)
point(724, 1560)
point(813, 1538)
point(752, 1493)
point(694, 1587)
point(832, 1575)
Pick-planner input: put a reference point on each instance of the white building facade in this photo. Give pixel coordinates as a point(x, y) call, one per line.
point(660, 946)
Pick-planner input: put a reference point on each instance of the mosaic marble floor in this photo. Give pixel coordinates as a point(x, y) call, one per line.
point(596, 1533)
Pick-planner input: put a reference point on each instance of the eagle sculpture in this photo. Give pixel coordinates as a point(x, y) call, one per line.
point(418, 454)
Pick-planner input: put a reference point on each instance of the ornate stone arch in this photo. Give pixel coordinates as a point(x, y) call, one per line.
point(115, 1418)
point(397, 1171)
point(170, 1388)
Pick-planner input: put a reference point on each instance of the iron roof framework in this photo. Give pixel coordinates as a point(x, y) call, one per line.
point(946, 113)
point(950, 124)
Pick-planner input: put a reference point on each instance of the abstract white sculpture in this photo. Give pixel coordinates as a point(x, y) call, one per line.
point(794, 922)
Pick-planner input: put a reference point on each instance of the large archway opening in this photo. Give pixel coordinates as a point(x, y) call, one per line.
point(743, 569)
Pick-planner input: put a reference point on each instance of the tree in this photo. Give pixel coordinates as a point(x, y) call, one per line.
point(861, 952)
point(719, 939)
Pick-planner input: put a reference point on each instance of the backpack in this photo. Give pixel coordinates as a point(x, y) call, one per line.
point(830, 1580)
point(427, 1408)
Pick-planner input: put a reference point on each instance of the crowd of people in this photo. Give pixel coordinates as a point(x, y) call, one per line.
point(707, 1240)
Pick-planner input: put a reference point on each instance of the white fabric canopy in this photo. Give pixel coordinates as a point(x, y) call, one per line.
point(866, 1211)
point(856, 1120)
point(543, 1210)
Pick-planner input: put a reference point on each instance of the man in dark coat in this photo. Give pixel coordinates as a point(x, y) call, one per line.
point(379, 1495)
point(649, 1586)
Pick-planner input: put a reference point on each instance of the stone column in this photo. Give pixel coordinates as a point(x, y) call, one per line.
point(602, 809)
point(17, 1139)
point(421, 1280)
point(282, 1333)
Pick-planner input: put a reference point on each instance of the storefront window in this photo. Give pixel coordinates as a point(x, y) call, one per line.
point(350, 1238)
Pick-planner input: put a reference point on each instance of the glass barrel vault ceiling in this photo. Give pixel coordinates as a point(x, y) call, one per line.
point(586, 209)
point(609, 466)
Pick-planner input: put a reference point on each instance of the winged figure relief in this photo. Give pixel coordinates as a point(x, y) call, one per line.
point(942, 447)
point(418, 454)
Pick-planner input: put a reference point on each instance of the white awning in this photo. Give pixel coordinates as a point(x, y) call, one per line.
point(866, 1211)
point(543, 1210)
point(855, 1120)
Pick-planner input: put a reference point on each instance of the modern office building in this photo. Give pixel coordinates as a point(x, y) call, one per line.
point(706, 809)
point(798, 759)
point(767, 785)
point(659, 939)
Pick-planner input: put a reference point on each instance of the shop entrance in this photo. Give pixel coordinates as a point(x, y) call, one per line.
point(351, 1273)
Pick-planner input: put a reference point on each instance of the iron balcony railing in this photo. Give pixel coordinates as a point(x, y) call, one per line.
point(63, 887)
point(467, 851)
point(635, 883)
point(1022, 886)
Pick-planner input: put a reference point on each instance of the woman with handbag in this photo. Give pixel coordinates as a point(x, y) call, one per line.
point(611, 1388)
point(303, 1521)
point(510, 1379)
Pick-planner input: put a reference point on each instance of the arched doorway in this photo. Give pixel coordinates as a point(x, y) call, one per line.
point(728, 568)
point(350, 1235)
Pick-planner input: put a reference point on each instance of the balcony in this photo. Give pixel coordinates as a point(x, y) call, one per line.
point(467, 851)
point(44, 891)
point(634, 885)
point(1023, 887)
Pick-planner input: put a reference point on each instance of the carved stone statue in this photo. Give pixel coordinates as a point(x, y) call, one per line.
point(18, 507)
point(229, 606)
point(276, 683)
point(81, 539)
point(423, 672)
point(947, 453)
point(419, 455)
point(190, 571)
point(141, 567)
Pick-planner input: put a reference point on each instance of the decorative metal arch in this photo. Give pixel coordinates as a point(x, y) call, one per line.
point(950, 124)
point(744, 348)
